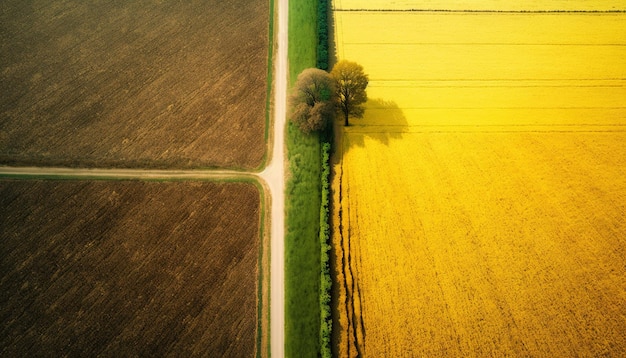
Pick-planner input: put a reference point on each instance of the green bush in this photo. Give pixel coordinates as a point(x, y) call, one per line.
point(322, 35)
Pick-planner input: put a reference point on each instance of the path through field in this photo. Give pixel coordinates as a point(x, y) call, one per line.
point(272, 178)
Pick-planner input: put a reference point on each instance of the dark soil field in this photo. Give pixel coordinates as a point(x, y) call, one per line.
point(128, 268)
point(169, 84)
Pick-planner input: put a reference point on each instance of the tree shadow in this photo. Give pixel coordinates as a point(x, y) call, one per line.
point(383, 121)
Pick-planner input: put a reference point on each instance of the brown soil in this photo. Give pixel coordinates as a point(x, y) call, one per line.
point(128, 268)
point(133, 84)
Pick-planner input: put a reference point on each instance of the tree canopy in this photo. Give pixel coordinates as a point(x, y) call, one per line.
point(311, 101)
point(350, 85)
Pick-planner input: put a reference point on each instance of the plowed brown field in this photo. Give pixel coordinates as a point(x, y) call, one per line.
point(127, 84)
point(123, 268)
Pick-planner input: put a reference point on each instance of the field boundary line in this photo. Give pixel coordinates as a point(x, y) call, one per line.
point(125, 174)
point(478, 130)
point(489, 125)
point(502, 86)
point(497, 79)
point(350, 270)
point(486, 11)
point(499, 108)
point(479, 44)
point(269, 89)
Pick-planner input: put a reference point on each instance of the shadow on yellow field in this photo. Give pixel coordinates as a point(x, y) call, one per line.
point(383, 121)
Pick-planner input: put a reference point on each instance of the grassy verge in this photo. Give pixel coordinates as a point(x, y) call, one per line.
point(270, 85)
point(302, 36)
point(263, 316)
point(303, 198)
point(263, 305)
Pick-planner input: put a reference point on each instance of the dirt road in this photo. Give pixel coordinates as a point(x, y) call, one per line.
point(274, 176)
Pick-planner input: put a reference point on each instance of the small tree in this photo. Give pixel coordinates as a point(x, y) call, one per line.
point(311, 101)
point(350, 84)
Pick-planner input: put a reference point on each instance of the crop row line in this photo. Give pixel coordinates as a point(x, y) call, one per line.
point(485, 131)
point(502, 79)
point(489, 125)
point(490, 11)
point(501, 86)
point(479, 44)
point(515, 108)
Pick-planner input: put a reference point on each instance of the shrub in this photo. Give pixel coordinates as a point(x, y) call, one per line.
point(326, 322)
point(322, 35)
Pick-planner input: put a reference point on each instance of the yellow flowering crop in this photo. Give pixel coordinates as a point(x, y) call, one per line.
point(496, 5)
point(482, 198)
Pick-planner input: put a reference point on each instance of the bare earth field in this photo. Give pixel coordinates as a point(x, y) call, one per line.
point(124, 268)
point(133, 84)
point(479, 205)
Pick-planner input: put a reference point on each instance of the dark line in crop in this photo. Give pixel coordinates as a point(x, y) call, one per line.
point(353, 288)
point(346, 260)
point(495, 131)
point(488, 11)
point(496, 79)
point(514, 108)
point(343, 253)
point(478, 44)
point(478, 128)
point(488, 125)
point(509, 86)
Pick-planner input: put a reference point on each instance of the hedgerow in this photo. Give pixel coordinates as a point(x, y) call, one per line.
point(322, 35)
point(326, 322)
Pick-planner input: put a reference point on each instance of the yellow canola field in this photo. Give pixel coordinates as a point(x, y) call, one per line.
point(482, 5)
point(490, 68)
point(486, 244)
point(481, 202)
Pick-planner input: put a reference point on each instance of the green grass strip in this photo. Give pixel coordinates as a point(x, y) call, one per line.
point(269, 81)
point(268, 112)
point(302, 205)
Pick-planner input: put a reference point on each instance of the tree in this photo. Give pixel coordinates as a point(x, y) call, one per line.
point(350, 85)
point(311, 101)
